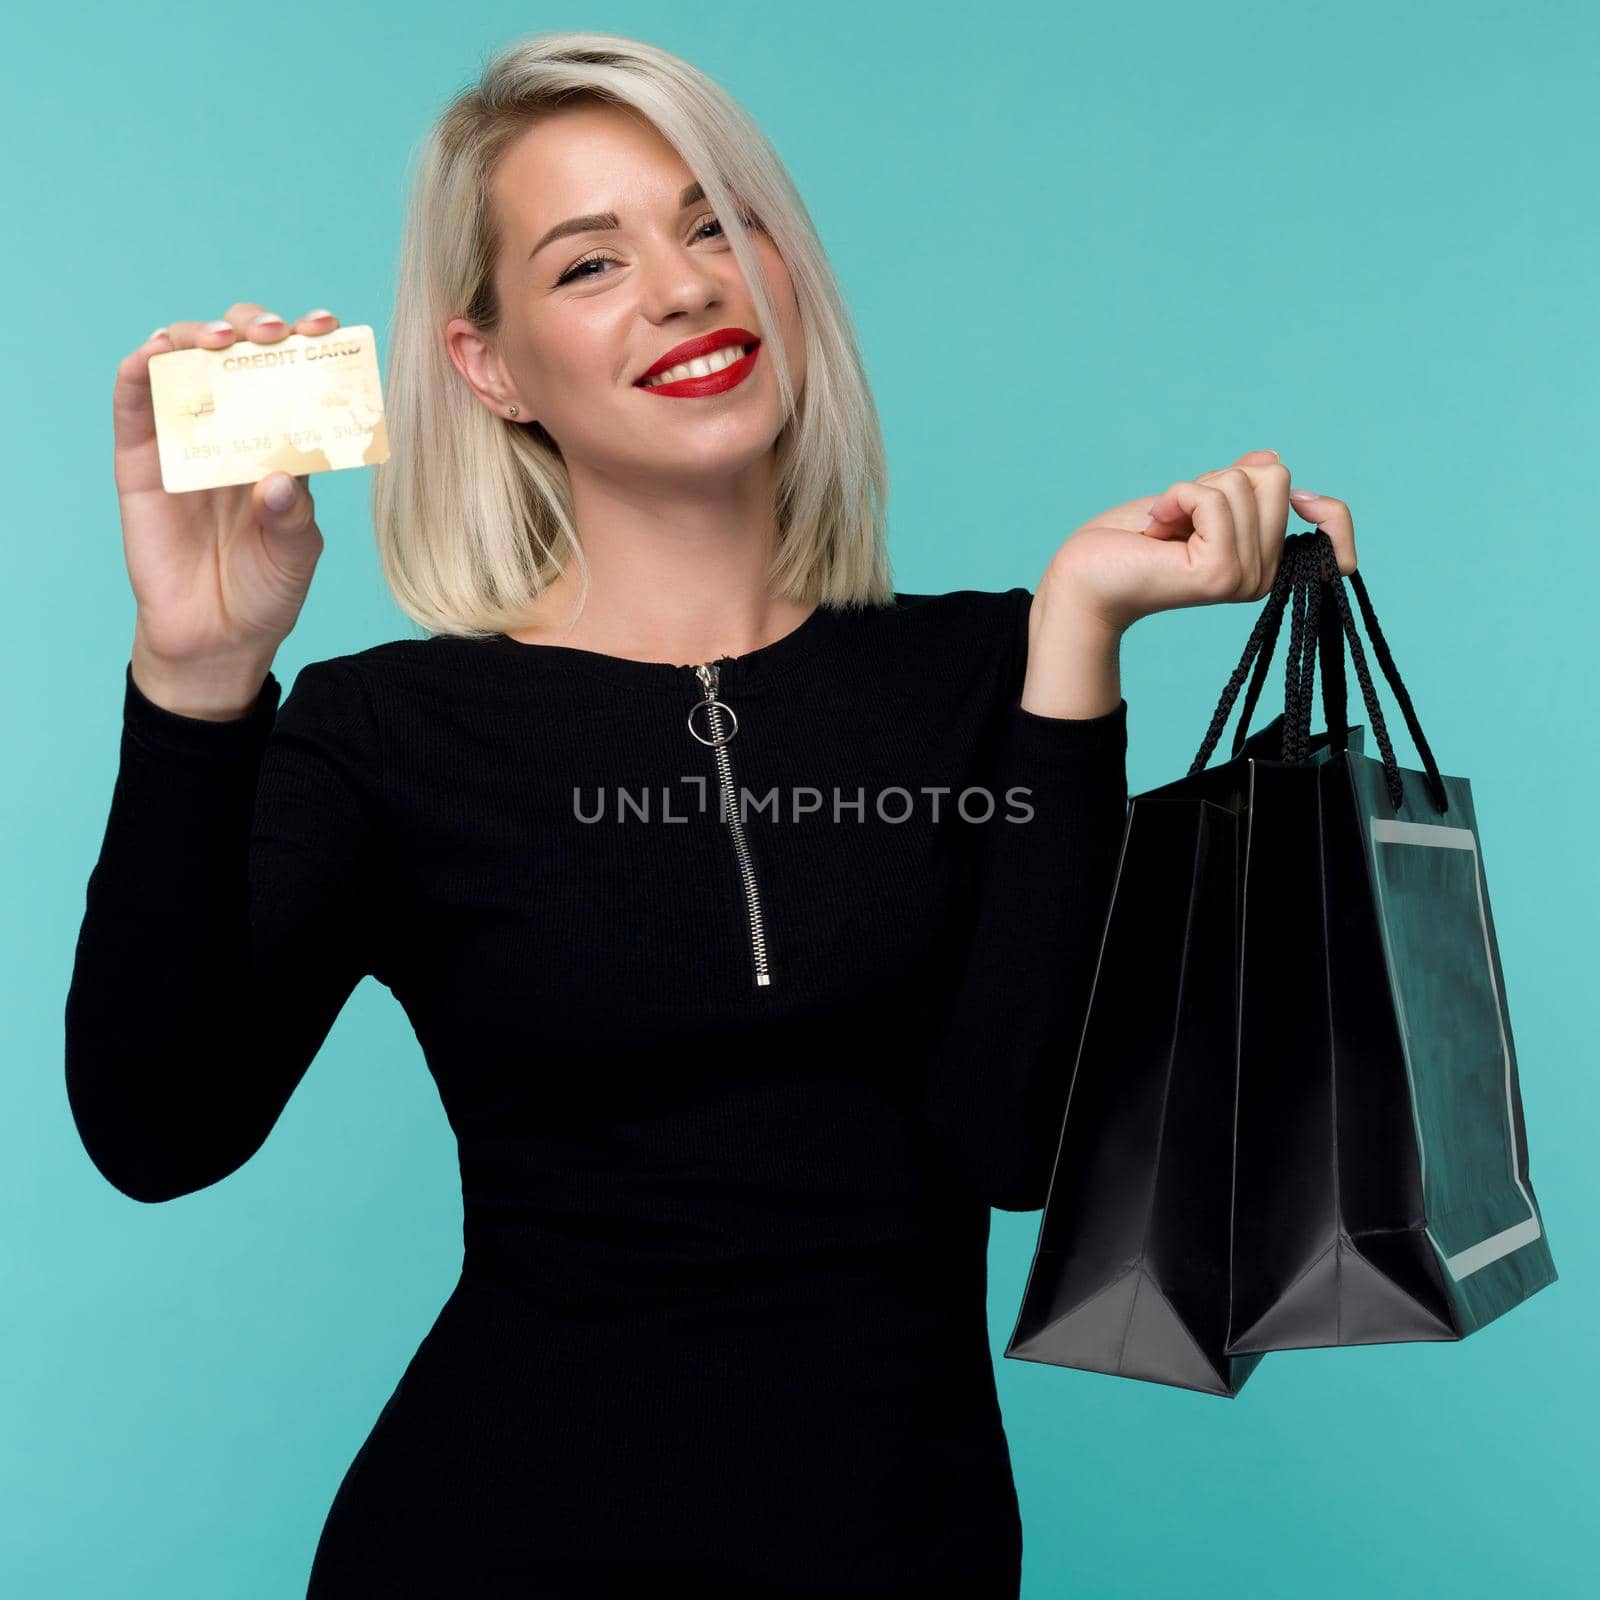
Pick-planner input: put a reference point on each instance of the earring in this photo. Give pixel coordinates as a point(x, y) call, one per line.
point(513, 411)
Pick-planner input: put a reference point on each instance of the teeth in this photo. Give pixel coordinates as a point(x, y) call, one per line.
point(701, 368)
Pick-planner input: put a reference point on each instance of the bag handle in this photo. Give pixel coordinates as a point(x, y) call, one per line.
point(1262, 642)
point(1380, 648)
point(1319, 570)
point(1309, 566)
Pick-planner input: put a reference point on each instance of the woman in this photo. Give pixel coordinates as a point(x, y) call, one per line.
point(745, 909)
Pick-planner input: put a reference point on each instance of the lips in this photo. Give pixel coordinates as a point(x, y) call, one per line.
point(693, 349)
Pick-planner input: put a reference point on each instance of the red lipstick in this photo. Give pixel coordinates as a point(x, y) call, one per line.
point(691, 349)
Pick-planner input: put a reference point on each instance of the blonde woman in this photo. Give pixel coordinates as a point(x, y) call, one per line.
point(744, 907)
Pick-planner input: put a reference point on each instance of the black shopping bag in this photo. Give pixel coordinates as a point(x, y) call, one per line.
point(1132, 1272)
point(1218, 1175)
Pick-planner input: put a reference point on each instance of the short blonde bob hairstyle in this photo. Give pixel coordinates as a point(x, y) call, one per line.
point(473, 512)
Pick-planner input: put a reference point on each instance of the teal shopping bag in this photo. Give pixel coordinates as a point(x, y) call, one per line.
point(1381, 1173)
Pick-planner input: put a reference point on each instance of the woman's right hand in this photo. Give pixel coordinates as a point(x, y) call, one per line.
point(219, 576)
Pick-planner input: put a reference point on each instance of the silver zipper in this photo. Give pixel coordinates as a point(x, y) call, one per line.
point(709, 674)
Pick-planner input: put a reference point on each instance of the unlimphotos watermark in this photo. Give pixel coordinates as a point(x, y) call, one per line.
point(893, 804)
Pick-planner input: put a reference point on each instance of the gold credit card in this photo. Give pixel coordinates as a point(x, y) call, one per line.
point(307, 403)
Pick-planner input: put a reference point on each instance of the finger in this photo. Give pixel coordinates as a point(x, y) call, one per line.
point(290, 535)
point(1272, 522)
point(242, 321)
point(255, 323)
point(1238, 484)
point(133, 418)
point(189, 335)
point(1271, 483)
point(1252, 460)
point(1333, 517)
point(1212, 554)
point(295, 513)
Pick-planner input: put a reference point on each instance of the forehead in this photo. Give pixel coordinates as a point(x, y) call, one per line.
point(585, 159)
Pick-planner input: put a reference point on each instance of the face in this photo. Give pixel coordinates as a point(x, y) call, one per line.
point(584, 315)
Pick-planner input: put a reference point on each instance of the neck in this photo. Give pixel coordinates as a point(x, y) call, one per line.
point(674, 576)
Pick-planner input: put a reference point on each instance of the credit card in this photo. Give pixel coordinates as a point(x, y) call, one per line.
point(308, 403)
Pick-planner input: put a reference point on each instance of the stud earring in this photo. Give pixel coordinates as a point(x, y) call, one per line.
point(513, 411)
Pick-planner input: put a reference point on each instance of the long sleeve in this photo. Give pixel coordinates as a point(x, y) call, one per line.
point(227, 920)
point(1003, 1060)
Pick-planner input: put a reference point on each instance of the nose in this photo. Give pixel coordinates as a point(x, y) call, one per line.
point(678, 284)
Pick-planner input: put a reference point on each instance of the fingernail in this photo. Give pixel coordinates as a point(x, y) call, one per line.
point(268, 317)
point(219, 327)
point(1147, 521)
point(279, 493)
point(1303, 494)
point(321, 311)
point(156, 335)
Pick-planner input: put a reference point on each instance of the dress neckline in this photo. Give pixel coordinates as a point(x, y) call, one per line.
point(766, 660)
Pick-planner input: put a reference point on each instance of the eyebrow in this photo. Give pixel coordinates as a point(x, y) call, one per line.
point(604, 221)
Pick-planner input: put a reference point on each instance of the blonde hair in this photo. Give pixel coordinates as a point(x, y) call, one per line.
point(473, 512)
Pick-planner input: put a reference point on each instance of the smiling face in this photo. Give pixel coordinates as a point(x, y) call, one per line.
point(586, 313)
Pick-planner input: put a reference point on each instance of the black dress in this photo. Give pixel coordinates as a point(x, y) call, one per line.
point(732, 1102)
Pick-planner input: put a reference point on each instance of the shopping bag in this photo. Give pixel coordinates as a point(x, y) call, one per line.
point(1132, 1271)
point(1130, 1274)
point(1382, 1189)
point(1245, 1161)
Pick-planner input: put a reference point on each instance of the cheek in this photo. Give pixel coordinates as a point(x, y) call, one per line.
point(570, 362)
point(577, 352)
point(572, 342)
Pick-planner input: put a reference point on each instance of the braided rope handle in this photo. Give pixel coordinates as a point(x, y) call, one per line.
point(1263, 638)
point(1309, 566)
point(1380, 648)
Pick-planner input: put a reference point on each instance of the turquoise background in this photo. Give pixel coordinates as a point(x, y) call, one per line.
point(1090, 250)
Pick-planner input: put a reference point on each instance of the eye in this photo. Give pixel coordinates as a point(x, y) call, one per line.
point(574, 273)
point(749, 220)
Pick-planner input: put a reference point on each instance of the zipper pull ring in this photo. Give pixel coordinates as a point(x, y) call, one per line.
point(709, 675)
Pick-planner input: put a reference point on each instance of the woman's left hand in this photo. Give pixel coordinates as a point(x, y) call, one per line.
point(1218, 537)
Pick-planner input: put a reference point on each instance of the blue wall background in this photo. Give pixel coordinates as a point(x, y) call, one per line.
point(1090, 250)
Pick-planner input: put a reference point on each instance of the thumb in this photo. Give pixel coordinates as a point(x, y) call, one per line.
point(282, 501)
point(289, 529)
point(283, 505)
